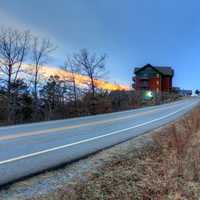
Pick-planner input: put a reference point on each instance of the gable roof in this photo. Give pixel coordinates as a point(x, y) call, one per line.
point(167, 71)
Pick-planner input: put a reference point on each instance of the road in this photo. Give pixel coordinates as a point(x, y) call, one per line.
point(31, 148)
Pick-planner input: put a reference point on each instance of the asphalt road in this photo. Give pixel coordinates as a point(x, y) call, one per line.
point(31, 148)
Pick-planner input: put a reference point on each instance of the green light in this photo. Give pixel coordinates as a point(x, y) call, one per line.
point(148, 95)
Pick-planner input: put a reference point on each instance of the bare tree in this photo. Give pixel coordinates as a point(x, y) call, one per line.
point(74, 90)
point(41, 48)
point(14, 46)
point(90, 65)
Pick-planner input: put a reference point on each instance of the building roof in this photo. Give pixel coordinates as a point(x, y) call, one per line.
point(168, 71)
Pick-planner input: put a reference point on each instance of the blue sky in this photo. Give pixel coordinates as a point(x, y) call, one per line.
point(131, 32)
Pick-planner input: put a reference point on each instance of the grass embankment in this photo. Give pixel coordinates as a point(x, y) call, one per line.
point(167, 169)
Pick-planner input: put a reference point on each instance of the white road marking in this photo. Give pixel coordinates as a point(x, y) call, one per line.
point(92, 139)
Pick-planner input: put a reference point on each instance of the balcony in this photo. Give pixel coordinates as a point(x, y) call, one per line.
point(144, 84)
point(144, 78)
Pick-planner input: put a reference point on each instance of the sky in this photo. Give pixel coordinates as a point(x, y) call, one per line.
point(131, 32)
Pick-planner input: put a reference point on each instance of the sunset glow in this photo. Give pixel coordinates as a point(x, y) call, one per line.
point(81, 80)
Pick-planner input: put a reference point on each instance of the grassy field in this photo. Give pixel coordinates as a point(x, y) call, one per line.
point(167, 169)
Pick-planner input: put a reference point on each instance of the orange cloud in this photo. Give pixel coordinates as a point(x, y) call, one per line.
point(80, 79)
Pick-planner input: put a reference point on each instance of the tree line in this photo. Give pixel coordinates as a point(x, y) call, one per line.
point(33, 99)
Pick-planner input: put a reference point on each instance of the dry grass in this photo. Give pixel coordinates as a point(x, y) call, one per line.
point(169, 169)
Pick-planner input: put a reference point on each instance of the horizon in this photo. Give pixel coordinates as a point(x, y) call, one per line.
point(131, 33)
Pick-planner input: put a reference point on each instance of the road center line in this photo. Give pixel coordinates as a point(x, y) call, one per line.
point(93, 138)
point(52, 130)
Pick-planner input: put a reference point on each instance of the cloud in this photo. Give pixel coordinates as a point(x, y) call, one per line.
point(9, 20)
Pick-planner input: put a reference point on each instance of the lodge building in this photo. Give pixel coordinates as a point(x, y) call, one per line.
point(153, 78)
